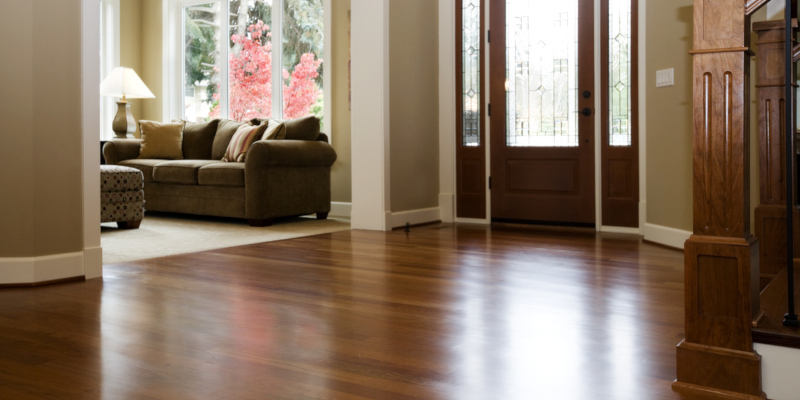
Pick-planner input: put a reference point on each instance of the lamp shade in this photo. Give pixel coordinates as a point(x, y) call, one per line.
point(123, 82)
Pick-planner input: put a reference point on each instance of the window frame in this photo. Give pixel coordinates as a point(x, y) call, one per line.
point(174, 56)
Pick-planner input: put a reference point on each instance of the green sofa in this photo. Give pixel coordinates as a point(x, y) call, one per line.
point(279, 178)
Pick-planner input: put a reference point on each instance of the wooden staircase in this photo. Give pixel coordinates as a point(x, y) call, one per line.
point(769, 328)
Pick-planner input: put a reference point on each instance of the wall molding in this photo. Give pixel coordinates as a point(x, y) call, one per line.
point(370, 128)
point(416, 217)
point(447, 109)
point(41, 269)
point(91, 264)
point(665, 235)
point(341, 209)
point(620, 229)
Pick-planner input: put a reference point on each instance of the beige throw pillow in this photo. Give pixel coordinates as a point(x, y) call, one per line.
point(275, 130)
point(241, 141)
point(161, 140)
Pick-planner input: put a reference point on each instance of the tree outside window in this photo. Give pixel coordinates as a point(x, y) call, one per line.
point(250, 58)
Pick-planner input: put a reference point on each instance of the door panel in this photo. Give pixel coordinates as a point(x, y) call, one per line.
point(542, 122)
point(620, 138)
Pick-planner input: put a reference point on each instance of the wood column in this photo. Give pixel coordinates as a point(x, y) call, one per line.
point(716, 359)
point(770, 215)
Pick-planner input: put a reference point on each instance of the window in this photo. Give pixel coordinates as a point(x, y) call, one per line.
point(244, 59)
point(471, 72)
point(542, 51)
point(619, 70)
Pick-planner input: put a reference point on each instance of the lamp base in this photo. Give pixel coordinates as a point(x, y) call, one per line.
point(123, 121)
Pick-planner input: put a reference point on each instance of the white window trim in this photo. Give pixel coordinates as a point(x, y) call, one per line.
point(173, 53)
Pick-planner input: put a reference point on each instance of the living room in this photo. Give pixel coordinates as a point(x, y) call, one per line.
point(442, 311)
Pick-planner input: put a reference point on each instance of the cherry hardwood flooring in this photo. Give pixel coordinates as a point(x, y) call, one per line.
point(443, 312)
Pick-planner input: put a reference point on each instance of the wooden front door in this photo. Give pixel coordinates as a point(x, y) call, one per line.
point(542, 111)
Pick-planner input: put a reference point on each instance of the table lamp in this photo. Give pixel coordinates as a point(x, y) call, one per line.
point(125, 84)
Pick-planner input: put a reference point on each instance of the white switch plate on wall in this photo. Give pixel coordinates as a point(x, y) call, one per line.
point(665, 77)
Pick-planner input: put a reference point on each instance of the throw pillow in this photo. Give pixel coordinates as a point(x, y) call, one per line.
point(305, 128)
point(198, 139)
point(225, 131)
point(241, 141)
point(275, 131)
point(161, 140)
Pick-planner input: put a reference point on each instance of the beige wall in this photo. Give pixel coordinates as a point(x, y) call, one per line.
point(341, 184)
point(41, 197)
point(414, 104)
point(669, 116)
point(140, 49)
point(152, 109)
point(130, 49)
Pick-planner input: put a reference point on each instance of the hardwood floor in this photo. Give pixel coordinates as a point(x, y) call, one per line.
point(444, 312)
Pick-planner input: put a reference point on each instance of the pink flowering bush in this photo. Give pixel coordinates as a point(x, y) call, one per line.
point(250, 80)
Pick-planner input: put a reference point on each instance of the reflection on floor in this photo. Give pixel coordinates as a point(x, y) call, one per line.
point(442, 312)
point(166, 234)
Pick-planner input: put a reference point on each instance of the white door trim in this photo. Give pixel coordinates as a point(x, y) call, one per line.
point(447, 169)
point(370, 115)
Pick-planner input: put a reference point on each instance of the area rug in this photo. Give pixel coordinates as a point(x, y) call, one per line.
point(164, 234)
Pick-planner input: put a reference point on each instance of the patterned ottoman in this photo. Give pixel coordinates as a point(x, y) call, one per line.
point(121, 197)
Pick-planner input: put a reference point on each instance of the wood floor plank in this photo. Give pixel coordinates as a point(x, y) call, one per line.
point(443, 312)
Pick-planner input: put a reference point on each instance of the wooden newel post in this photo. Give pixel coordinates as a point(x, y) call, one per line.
point(716, 359)
point(770, 215)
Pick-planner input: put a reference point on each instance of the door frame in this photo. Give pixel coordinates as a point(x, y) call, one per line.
point(447, 100)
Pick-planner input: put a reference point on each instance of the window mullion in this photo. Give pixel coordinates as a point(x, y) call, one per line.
point(277, 58)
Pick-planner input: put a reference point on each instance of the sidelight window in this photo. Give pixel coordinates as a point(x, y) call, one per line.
point(619, 72)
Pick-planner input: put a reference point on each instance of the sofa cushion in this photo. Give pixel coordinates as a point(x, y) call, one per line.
point(223, 174)
point(182, 172)
point(146, 166)
point(198, 139)
point(275, 130)
point(116, 178)
point(225, 131)
point(304, 128)
point(241, 141)
point(161, 140)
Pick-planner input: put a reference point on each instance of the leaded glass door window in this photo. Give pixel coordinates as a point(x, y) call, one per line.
point(541, 73)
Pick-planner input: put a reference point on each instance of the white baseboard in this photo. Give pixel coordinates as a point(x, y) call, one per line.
point(620, 229)
point(779, 366)
point(665, 235)
point(416, 217)
point(41, 269)
point(339, 209)
point(473, 221)
point(447, 206)
point(93, 262)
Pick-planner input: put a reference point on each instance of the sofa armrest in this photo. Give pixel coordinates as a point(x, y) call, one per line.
point(120, 150)
point(287, 177)
point(289, 153)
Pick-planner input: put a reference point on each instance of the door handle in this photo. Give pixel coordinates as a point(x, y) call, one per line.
point(586, 112)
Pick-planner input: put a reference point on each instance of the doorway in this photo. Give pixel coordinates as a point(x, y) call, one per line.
point(552, 159)
point(542, 125)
